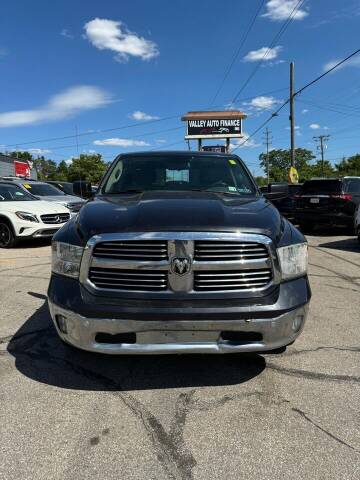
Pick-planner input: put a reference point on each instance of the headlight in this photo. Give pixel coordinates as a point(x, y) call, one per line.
point(30, 217)
point(293, 260)
point(66, 259)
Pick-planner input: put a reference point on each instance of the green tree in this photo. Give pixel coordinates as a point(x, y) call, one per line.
point(46, 169)
point(322, 169)
point(62, 172)
point(349, 166)
point(21, 155)
point(261, 181)
point(87, 167)
point(280, 162)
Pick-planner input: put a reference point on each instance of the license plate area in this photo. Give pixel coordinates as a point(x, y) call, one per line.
point(315, 200)
point(176, 336)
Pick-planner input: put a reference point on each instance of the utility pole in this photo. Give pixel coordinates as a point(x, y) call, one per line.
point(292, 117)
point(322, 139)
point(267, 142)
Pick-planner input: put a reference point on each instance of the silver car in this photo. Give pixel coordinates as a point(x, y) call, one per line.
point(44, 191)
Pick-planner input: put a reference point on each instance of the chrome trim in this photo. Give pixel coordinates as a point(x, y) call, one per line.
point(276, 332)
point(181, 244)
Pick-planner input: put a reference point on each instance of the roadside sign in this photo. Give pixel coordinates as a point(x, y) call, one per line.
point(293, 175)
point(215, 124)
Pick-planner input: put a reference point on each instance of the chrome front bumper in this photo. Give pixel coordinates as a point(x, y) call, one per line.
point(174, 336)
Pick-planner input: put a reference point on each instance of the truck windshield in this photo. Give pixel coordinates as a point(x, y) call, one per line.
point(216, 174)
point(43, 189)
point(12, 193)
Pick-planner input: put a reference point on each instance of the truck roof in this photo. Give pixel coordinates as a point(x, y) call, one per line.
point(177, 153)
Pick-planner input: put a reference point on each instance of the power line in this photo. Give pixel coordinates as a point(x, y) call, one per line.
point(237, 52)
point(298, 92)
point(274, 40)
point(123, 127)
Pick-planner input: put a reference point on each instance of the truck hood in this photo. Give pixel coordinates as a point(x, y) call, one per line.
point(179, 211)
point(37, 207)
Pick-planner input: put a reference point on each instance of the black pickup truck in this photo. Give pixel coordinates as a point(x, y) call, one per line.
point(178, 252)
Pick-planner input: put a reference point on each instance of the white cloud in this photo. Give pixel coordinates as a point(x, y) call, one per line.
point(352, 62)
point(314, 126)
point(243, 142)
point(262, 103)
point(65, 33)
point(38, 151)
point(63, 105)
point(161, 140)
point(282, 9)
point(142, 116)
point(304, 110)
point(113, 35)
point(263, 53)
point(297, 127)
point(121, 142)
point(68, 161)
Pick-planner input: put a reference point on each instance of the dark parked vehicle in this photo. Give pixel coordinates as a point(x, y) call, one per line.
point(66, 187)
point(178, 252)
point(287, 204)
point(331, 201)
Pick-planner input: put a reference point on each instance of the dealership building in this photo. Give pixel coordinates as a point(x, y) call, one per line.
point(13, 167)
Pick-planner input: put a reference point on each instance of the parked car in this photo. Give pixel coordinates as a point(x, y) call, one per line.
point(163, 262)
point(44, 191)
point(66, 187)
point(331, 201)
point(287, 204)
point(24, 216)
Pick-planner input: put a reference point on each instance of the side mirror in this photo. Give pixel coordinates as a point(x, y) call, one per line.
point(275, 191)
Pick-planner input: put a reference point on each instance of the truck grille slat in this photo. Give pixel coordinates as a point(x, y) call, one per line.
point(218, 280)
point(217, 265)
point(115, 279)
point(215, 250)
point(146, 250)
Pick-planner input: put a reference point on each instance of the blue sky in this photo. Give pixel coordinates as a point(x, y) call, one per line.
point(102, 65)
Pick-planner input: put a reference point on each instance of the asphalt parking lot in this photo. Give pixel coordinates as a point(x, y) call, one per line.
point(74, 415)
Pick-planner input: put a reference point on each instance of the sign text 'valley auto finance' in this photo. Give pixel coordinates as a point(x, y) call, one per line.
point(214, 128)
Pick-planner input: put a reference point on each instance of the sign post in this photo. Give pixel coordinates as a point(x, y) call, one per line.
point(214, 125)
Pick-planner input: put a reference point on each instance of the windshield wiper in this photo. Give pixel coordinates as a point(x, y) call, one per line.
point(204, 190)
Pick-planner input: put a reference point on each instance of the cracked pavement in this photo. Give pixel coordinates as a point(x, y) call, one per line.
point(67, 414)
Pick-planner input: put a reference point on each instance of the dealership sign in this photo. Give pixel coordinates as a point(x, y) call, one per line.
point(226, 124)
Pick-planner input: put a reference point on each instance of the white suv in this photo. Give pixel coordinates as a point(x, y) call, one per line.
point(24, 216)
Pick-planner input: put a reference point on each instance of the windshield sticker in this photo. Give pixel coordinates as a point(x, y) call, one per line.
point(232, 189)
point(26, 185)
point(232, 162)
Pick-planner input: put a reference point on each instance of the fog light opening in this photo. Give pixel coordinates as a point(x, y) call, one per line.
point(61, 323)
point(297, 323)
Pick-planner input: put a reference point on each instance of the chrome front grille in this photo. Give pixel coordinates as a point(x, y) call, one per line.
point(220, 250)
point(136, 280)
point(209, 281)
point(198, 264)
point(54, 218)
point(132, 250)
